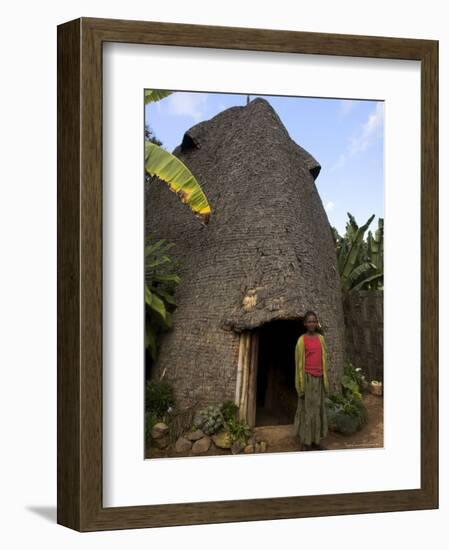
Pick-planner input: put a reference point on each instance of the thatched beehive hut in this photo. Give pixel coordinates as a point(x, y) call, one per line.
point(265, 257)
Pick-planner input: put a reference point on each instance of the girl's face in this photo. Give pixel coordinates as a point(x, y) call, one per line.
point(311, 323)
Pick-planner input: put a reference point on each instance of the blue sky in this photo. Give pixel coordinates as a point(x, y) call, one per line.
point(346, 137)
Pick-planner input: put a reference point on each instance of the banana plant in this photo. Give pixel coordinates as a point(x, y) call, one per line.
point(155, 95)
point(168, 168)
point(175, 173)
point(161, 281)
point(360, 263)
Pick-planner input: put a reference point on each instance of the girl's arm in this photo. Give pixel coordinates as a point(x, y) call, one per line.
point(298, 367)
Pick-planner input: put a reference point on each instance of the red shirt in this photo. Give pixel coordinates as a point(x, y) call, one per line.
point(313, 364)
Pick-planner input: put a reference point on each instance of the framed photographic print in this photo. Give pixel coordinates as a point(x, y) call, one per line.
point(247, 274)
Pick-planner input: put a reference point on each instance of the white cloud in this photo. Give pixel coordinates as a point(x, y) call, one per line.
point(346, 106)
point(370, 130)
point(329, 206)
point(365, 137)
point(188, 104)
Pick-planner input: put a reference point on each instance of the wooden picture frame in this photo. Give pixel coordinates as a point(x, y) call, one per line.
point(79, 375)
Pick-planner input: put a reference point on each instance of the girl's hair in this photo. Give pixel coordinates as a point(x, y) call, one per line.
point(310, 312)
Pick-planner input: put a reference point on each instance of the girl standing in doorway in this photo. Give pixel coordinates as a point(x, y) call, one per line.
point(312, 385)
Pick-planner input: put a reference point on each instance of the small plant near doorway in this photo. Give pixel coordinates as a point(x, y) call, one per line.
point(238, 430)
point(209, 420)
point(354, 381)
point(346, 413)
point(222, 418)
point(345, 410)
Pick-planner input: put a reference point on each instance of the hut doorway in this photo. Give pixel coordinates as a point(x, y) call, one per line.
point(266, 392)
point(276, 397)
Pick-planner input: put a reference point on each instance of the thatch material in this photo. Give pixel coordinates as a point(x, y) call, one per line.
point(267, 252)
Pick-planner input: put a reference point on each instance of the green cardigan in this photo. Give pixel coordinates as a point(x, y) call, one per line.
point(300, 355)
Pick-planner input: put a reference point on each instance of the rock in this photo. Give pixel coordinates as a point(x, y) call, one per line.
point(182, 445)
point(159, 430)
point(249, 449)
point(161, 442)
point(263, 446)
point(236, 447)
point(201, 445)
point(194, 435)
point(257, 448)
point(222, 440)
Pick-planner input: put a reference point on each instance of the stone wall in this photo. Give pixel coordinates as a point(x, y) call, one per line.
point(363, 311)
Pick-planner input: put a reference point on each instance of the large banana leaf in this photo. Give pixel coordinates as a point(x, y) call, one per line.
point(166, 296)
point(170, 169)
point(376, 278)
point(167, 278)
point(351, 258)
point(379, 259)
point(155, 303)
point(155, 95)
point(159, 246)
point(360, 274)
point(157, 262)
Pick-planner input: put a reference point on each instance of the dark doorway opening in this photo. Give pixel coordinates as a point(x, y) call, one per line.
point(276, 399)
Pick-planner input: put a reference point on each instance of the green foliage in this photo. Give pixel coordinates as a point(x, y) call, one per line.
point(345, 412)
point(229, 410)
point(360, 262)
point(161, 280)
point(354, 381)
point(209, 420)
point(149, 136)
point(238, 430)
point(171, 170)
point(151, 96)
point(158, 397)
point(150, 420)
point(222, 416)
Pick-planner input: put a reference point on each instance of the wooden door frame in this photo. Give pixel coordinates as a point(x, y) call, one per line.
point(246, 383)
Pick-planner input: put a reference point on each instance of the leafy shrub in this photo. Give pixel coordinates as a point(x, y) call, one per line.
point(161, 280)
point(345, 412)
point(150, 420)
point(238, 430)
point(158, 397)
point(209, 420)
point(229, 410)
point(353, 381)
point(222, 416)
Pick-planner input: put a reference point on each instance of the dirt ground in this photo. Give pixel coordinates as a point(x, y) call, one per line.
point(282, 438)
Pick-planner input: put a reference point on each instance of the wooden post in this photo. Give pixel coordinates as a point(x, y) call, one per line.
point(238, 385)
point(244, 388)
point(252, 386)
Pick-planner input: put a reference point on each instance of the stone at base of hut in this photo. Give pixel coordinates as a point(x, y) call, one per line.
point(161, 442)
point(159, 430)
point(222, 440)
point(201, 445)
point(182, 445)
point(260, 447)
point(236, 447)
point(256, 447)
point(194, 435)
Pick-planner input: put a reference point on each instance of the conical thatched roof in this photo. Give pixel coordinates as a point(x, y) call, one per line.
point(267, 252)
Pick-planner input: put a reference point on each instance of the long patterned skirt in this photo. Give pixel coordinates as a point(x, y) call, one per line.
point(310, 422)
